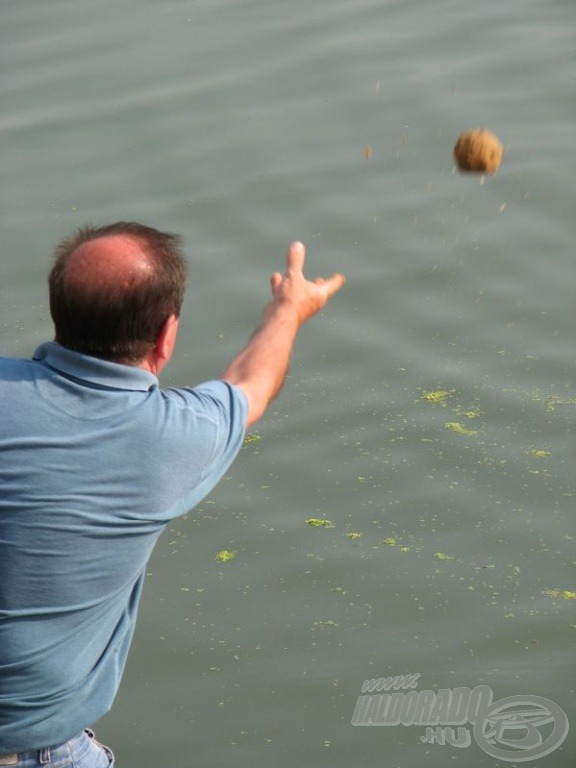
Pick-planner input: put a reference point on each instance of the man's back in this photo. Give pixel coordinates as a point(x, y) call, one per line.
point(94, 460)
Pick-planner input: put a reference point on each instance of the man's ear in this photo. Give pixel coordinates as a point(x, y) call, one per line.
point(165, 342)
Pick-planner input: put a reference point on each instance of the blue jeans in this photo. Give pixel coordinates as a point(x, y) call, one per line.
point(83, 751)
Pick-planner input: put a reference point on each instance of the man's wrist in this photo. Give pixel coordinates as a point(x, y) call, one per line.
point(283, 311)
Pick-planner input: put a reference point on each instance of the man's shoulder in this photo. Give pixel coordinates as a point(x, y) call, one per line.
point(207, 396)
point(15, 366)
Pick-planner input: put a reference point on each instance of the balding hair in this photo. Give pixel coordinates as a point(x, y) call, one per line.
point(112, 288)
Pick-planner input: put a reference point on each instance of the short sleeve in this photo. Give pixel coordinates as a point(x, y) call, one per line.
point(207, 426)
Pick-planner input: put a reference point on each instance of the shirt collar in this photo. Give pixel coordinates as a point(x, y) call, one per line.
point(92, 370)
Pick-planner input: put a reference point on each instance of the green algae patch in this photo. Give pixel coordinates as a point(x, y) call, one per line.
point(225, 556)
point(394, 541)
point(470, 413)
point(459, 428)
point(443, 556)
point(540, 454)
point(565, 594)
point(355, 535)
point(554, 400)
point(319, 522)
point(437, 396)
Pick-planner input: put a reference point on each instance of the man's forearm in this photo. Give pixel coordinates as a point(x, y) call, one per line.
point(261, 367)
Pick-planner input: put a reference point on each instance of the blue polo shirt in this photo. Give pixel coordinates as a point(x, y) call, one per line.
point(95, 460)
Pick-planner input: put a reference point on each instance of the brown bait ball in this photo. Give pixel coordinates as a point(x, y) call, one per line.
point(478, 151)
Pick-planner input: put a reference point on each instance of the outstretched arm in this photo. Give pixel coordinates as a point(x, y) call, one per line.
point(261, 367)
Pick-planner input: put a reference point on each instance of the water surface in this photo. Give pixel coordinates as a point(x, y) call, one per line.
point(244, 125)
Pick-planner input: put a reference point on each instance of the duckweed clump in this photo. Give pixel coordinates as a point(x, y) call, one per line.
point(459, 428)
point(225, 556)
point(319, 522)
point(566, 594)
point(438, 396)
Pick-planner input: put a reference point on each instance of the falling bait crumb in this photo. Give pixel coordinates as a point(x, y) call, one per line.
point(391, 541)
point(443, 556)
point(252, 438)
point(355, 535)
point(540, 454)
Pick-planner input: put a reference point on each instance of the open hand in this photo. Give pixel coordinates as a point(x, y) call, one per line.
point(293, 290)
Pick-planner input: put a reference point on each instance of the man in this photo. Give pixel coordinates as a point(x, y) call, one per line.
point(95, 460)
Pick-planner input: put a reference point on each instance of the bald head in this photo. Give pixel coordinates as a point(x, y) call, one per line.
point(109, 263)
point(112, 289)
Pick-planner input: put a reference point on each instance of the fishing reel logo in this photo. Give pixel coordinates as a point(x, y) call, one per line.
point(516, 728)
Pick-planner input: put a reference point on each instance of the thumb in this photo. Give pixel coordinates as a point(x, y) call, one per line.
point(331, 285)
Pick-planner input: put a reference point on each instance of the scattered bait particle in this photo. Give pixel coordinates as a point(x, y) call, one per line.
point(404, 549)
point(184, 589)
point(438, 396)
point(554, 400)
point(355, 535)
point(443, 556)
point(540, 454)
point(319, 522)
point(391, 541)
point(252, 438)
point(459, 428)
point(502, 208)
point(328, 623)
point(567, 594)
point(225, 556)
point(471, 413)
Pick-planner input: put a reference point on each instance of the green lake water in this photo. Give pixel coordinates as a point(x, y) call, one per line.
point(430, 412)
